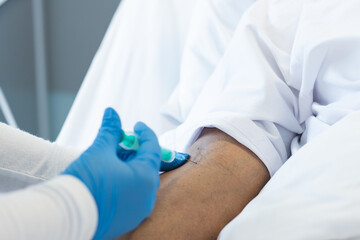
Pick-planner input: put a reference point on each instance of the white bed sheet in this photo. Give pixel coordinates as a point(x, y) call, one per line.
point(315, 195)
point(134, 71)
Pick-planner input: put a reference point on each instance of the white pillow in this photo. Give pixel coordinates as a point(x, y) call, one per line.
point(315, 195)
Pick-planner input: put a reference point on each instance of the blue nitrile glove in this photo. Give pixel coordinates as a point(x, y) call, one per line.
point(124, 189)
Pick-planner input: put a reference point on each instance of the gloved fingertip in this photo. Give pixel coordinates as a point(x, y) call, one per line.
point(149, 147)
point(140, 126)
point(144, 132)
point(111, 117)
point(109, 112)
point(110, 131)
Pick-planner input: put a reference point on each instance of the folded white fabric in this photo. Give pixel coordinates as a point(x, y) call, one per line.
point(284, 74)
point(212, 27)
point(26, 159)
point(315, 195)
point(246, 96)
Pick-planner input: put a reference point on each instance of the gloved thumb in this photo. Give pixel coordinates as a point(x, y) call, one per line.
point(110, 132)
point(149, 148)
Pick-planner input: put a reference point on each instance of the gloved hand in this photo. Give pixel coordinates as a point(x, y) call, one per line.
point(124, 188)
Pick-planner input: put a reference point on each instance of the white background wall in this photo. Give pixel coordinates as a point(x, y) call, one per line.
point(73, 32)
point(17, 77)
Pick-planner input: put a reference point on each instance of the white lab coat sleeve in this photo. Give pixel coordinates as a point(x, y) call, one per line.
point(26, 159)
point(248, 96)
point(62, 208)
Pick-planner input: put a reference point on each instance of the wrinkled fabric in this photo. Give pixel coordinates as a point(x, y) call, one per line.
point(211, 30)
point(26, 159)
point(287, 75)
point(248, 96)
point(273, 82)
point(134, 71)
point(315, 195)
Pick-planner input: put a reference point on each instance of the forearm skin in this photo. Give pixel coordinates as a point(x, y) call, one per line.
point(197, 200)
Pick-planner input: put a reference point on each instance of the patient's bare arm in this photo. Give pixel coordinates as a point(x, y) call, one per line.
point(197, 200)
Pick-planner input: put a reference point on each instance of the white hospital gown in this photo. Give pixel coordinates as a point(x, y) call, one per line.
point(210, 32)
point(290, 69)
